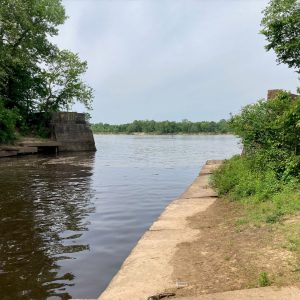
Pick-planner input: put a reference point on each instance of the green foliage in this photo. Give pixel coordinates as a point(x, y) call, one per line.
point(265, 198)
point(87, 117)
point(263, 279)
point(34, 74)
point(239, 178)
point(164, 127)
point(62, 81)
point(8, 119)
point(25, 26)
point(281, 27)
point(271, 130)
point(292, 231)
point(265, 179)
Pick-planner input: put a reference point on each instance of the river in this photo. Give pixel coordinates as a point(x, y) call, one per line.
point(68, 222)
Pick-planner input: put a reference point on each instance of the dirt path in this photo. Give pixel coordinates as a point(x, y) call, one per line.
point(226, 257)
point(265, 293)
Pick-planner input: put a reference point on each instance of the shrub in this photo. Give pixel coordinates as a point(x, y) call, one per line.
point(271, 131)
point(263, 279)
point(239, 178)
point(8, 119)
point(266, 177)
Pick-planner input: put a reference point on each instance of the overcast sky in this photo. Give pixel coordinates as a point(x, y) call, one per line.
point(172, 59)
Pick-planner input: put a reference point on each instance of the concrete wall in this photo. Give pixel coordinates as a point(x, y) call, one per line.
point(72, 131)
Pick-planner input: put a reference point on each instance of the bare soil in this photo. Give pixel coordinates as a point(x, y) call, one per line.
point(227, 256)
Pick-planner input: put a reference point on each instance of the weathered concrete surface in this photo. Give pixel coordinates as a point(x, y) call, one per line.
point(210, 166)
point(266, 293)
point(69, 132)
point(7, 153)
point(72, 131)
point(200, 187)
point(147, 270)
point(38, 143)
point(28, 150)
point(20, 148)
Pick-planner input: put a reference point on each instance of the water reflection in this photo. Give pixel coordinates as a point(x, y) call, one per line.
point(67, 223)
point(44, 205)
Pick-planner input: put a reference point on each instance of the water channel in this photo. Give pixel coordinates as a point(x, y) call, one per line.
point(68, 222)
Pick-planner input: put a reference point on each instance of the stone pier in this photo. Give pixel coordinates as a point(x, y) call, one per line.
point(72, 131)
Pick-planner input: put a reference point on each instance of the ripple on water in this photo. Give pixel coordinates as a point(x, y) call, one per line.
point(68, 222)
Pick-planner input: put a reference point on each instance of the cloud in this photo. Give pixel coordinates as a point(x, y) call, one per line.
point(172, 59)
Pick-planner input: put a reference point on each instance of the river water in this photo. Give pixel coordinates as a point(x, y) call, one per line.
point(68, 222)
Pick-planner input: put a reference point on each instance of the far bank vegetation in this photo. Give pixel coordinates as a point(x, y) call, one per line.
point(163, 127)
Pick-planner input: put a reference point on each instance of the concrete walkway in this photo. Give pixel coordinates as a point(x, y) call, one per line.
point(147, 270)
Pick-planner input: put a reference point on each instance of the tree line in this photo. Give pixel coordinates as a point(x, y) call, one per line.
point(163, 127)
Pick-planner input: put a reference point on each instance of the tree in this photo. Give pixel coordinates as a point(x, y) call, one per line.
point(281, 27)
point(25, 26)
point(270, 130)
point(62, 83)
point(8, 119)
point(34, 73)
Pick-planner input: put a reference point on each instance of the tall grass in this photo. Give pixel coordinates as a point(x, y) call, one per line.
point(266, 197)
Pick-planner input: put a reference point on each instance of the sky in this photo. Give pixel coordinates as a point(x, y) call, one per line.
point(172, 59)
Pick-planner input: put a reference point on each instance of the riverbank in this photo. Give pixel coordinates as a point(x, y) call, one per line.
point(159, 134)
point(198, 247)
point(147, 270)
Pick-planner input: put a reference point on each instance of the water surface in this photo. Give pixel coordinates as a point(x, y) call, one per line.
point(68, 222)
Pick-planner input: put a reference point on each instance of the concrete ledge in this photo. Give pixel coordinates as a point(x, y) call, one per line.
point(209, 168)
point(47, 143)
point(147, 270)
point(7, 153)
point(27, 150)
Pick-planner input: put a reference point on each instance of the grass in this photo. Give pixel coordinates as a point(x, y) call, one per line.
point(263, 200)
point(292, 233)
point(263, 279)
point(263, 197)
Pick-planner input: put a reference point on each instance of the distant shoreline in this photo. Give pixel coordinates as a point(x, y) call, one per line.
point(151, 127)
point(158, 134)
